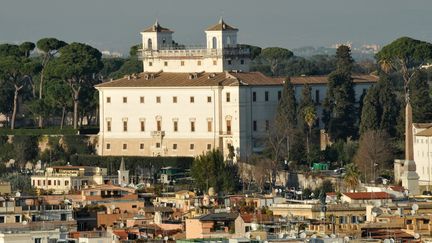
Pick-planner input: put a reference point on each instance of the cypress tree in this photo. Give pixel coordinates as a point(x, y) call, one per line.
point(420, 97)
point(287, 108)
point(305, 101)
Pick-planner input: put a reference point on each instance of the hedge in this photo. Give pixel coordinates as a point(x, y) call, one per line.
point(132, 163)
point(38, 131)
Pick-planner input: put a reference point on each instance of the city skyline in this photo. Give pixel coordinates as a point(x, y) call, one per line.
point(290, 24)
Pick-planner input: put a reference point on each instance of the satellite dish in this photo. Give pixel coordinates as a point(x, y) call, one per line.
point(248, 235)
point(303, 235)
point(24, 222)
point(377, 204)
point(415, 207)
point(392, 241)
point(376, 211)
point(166, 238)
point(386, 241)
point(314, 236)
point(333, 236)
point(346, 239)
point(326, 236)
point(416, 235)
point(18, 194)
point(121, 225)
point(258, 237)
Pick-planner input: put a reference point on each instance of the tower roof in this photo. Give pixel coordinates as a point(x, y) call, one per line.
point(156, 27)
point(122, 165)
point(221, 25)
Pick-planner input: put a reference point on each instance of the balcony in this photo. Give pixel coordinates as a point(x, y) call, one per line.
point(157, 133)
point(225, 133)
point(194, 51)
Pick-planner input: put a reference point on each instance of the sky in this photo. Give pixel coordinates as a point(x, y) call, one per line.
point(115, 24)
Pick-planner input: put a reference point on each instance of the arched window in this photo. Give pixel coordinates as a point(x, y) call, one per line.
point(149, 44)
point(214, 43)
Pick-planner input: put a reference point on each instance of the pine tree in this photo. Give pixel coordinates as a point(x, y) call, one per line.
point(420, 98)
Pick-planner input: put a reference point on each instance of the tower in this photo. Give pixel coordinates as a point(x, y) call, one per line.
point(123, 174)
point(221, 35)
point(156, 37)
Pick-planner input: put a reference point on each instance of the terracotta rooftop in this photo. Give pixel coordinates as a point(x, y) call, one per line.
point(324, 79)
point(367, 195)
point(221, 25)
point(157, 28)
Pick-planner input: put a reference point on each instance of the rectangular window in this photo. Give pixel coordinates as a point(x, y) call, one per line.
point(124, 146)
point(17, 219)
point(108, 146)
point(142, 123)
point(108, 126)
point(209, 126)
point(124, 99)
point(192, 146)
point(192, 99)
point(255, 126)
point(209, 99)
point(182, 63)
point(141, 146)
point(165, 64)
point(228, 126)
point(174, 99)
point(158, 145)
point(267, 125)
point(49, 182)
point(266, 96)
point(208, 146)
point(175, 126)
point(38, 240)
point(142, 99)
point(108, 99)
point(241, 61)
point(199, 63)
point(192, 126)
point(214, 63)
point(279, 95)
point(158, 99)
point(2, 219)
point(228, 97)
point(159, 125)
point(229, 62)
point(174, 146)
point(150, 64)
point(254, 97)
point(66, 183)
point(125, 126)
point(317, 96)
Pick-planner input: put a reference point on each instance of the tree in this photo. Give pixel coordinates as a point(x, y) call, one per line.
point(48, 48)
point(15, 71)
point(57, 98)
point(130, 65)
point(380, 108)
point(305, 101)
point(421, 101)
point(351, 177)
point(310, 118)
point(339, 113)
point(26, 148)
point(374, 152)
point(77, 66)
point(255, 51)
point(274, 56)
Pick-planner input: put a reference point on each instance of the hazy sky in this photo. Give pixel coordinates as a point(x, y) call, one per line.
point(115, 24)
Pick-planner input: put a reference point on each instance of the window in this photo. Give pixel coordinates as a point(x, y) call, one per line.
point(158, 145)
point(38, 240)
point(125, 126)
point(266, 96)
point(199, 63)
point(142, 123)
point(174, 99)
point(214, 62)
point(191, 146)
point(165, 63)
point(141, 146)
point(108, 99)
point(254, 96)
point(182, 63)
point(267, 125)
point(158, 99)
point(124, 146)
point(317, 96)
point(279, 95)
point(192, 126)
point(229, 62)
point(158, 125)
point(209, 146)
point(255, 126)
point(228, 126)
point(66, 183)
point(124, 99)
point(174, 146)
point(49, 182)
point(209, 126)
point(2, 219)
point(17, 219)
point(228, 97)
point(108, 146)
point(142, 99)
point(175, 126)
point(134, 206)
point(150, 64)
point(241, 61)
point(108, 126)
point(192, 99)
point(209, 99)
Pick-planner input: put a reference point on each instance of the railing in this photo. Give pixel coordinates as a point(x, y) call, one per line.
point(157, 133)
point(46, 207)
point(205, 52)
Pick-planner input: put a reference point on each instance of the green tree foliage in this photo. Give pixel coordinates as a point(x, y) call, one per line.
point(210, 170)
point(340, 116)
point(58, 100)
point(351, 178)
point(421, 101)
point(77, 66)
point(380, 108)
point(25, 148)
point(130, 65)
point(274, 56)
point(255, 51)
point(305, 103)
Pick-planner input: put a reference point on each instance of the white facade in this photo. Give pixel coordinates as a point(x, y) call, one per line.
point(423, 152)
